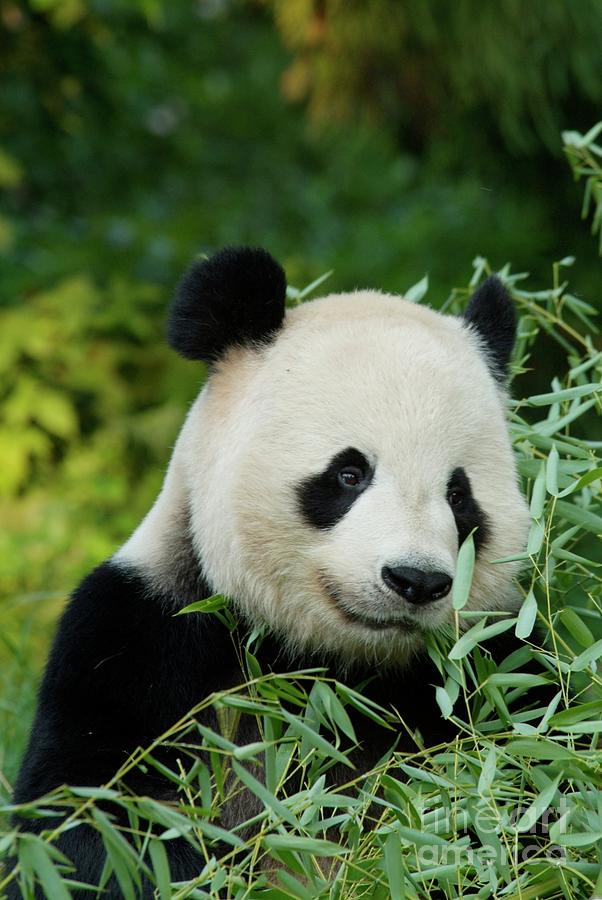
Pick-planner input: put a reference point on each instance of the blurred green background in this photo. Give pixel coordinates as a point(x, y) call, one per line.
point(382, 139)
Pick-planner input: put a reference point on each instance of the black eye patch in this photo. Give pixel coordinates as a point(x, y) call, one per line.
point(326, 497)
point(467, 512)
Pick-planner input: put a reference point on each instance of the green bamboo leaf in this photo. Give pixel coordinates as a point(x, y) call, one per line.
point(212, 832)
point(564, 537)
point(540, 749)
point(442, 874)
point(120, 855)
point(268, 799)
point(577, 713)
point(295, 842)
point(464, 570)
point(581, 390)
point(550, 711)
point(537, 533)
point(35, 856)
point(487, 775)
point(516, 679)
point(574, 557)
point(96, 792)
point(579, 516)
point(526, 617)
point(366, 706)
point(393, 867)
point(539, 806)
point(547, 428)
point(552, 472)
point(416, 293)
point(294, 888)
point(426, 776)
point(585, 366)
point(567, 445)
point(160, 863)
point(444, 702)
point(208, 605)
point(420, 838)
point(593, 475)
point(300, 728)
point(332, 707)
point(314, 284)
point(586, 727)
point(165, 816)
point(250, 751)
point(475, 635)
point(235, 701)
point(581, 839)
point(538, 494)
point(586, 658)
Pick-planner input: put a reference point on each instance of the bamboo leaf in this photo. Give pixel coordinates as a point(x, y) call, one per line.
point(526, 617)
point(294, 842)
point(418, 291)
point(35, 855)
point(464, 570)
point(160, 863)
point(539, 806)
point(476, 635)
point(581, 390)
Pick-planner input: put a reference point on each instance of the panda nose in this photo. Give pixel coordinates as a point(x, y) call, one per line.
point(415, 585)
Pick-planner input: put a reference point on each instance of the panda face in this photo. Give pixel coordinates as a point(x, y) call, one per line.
point(334, 473)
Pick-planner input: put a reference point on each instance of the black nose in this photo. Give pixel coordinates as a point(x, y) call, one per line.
point(415, 585)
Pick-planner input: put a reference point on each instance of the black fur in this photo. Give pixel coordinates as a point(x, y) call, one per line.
point(235, 297)
point(123, 669)
point(323, 501)
point(468, 514)
point(490, 312)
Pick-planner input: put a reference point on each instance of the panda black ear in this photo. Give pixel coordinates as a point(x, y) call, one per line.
point(490, 313)
point(235, 297)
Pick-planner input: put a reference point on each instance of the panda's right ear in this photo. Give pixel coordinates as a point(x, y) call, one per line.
point(235, 297)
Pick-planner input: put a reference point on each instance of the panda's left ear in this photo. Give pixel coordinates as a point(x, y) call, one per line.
point(490, 313)
point(235, 297)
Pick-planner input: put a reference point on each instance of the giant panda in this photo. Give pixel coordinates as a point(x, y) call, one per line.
point(324, 480)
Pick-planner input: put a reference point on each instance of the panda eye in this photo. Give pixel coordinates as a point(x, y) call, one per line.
point(351, 476)
point(456, 497)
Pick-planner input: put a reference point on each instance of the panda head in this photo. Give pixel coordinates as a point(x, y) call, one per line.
point(340, 453)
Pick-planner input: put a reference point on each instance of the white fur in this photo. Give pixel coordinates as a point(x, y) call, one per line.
point(403, 384)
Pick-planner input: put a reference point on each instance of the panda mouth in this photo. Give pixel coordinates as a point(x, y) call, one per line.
point(376, 624)
point(333, 594)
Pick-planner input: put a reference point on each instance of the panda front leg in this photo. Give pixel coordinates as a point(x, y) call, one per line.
point(123, 669)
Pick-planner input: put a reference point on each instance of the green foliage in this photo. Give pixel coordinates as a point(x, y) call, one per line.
point(83, 400)
point(132, 141)
point(585, 156)
point(511, 808)
point(421, 66)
